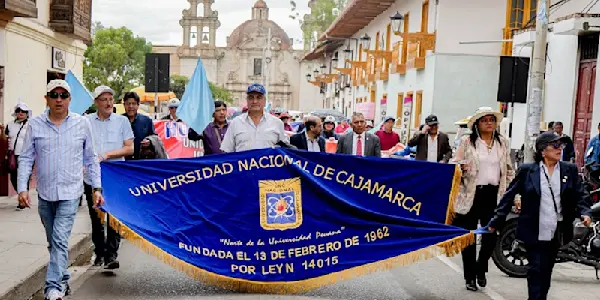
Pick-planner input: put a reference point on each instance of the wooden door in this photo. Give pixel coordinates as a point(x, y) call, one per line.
point(584, 106)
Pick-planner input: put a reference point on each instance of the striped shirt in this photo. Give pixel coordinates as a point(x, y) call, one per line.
point(61, 153)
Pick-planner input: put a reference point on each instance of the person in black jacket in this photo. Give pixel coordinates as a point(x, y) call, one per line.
point(552, 197)
point(568, 153)
point(310, 139)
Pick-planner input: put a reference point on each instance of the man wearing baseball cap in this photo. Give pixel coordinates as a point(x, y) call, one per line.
point(432, 144)
point(113, 141)
point(255, 129)
point(552, 198)
point(387, 136)
point(59, 171)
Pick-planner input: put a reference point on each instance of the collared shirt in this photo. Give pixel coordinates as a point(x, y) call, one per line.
point(61, 153)
point(109, 134)
point(312, 144)
point(212, 138)
point(432, 148)
point(142, 127)
point(388, 139)
point(355, 139)
point(12, 131)
point(243, 134)
point(489, 163)
point(549, 218)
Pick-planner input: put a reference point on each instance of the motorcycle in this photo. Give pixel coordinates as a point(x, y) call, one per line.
point(510, 255)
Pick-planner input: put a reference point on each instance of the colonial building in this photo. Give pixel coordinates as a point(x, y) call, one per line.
point(258, 51)
point(40, 40)
point(443, 59)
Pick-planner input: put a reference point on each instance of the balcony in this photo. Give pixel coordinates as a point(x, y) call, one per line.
point(18, 8)
point(418, 45)
point(416, 63)
point(72, 18)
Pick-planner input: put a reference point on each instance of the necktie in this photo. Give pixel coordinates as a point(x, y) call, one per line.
point(359, 146)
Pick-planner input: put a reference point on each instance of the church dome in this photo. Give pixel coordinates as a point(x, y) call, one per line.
point(260, 4)
point(251, 27)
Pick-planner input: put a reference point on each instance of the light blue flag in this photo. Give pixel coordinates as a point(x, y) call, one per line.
point(197, 105)
point(81, 99)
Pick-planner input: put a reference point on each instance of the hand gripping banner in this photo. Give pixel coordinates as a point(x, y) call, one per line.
point(284, 221)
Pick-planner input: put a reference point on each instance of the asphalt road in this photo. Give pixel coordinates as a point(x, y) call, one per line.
point(143, 277)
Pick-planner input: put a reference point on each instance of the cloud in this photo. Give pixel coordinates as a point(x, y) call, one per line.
point(158, 20)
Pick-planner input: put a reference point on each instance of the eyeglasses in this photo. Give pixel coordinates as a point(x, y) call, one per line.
point(55, 95)
point(557, 145)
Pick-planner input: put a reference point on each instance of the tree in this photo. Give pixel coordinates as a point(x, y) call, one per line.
point(116, 58)
point(322, 14)
point(179, 82)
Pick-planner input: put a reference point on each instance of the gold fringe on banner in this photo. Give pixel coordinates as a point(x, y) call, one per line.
point(451, 213)
point(450, 247)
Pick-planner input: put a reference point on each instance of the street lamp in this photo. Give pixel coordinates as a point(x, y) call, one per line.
point(397, 22)
point(366, 42)
point(316, 72)
point(335, 57)
point(308, 77)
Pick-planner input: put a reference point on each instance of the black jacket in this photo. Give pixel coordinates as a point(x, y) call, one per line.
point(299, 140)
point(574, 201)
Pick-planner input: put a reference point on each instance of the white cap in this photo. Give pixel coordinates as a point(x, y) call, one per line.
point(57, 83)
point(101, 90)
point(329, 119)
point(174, 102)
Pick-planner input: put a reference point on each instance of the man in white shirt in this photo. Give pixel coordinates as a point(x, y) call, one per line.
point(432, 144)
point(359, 142)
point(254, 129)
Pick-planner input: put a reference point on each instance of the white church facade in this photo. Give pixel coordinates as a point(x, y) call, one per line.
point(257, 51)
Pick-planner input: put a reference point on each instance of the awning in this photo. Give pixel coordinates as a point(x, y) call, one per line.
point(149, 97)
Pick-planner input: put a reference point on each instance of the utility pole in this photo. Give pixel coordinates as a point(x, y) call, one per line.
point(536, 80)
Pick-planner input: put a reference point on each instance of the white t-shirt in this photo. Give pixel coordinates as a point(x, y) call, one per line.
point(12, 130)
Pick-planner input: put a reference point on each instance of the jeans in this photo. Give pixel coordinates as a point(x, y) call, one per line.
point(103, 247)
point(58, 218)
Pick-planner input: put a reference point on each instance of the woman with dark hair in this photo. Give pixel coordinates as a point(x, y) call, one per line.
point(552, 197)
point(486, 166)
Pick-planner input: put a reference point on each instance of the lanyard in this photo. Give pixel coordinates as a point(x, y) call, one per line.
point(551, 191)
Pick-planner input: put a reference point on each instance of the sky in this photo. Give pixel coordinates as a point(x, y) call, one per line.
point(158, 20)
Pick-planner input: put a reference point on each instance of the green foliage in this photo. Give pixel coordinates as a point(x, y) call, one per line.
point(116, 58)
point(179, 82)
point(322, 15)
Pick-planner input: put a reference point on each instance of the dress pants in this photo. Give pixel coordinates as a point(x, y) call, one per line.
point(541, 256)
point(482, 211)
point(103, 247)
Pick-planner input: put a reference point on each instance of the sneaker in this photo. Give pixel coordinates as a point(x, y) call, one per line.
point(54, 295)
point(20, 208)
point(67, 290)
point(98, 262)
point(111, 264)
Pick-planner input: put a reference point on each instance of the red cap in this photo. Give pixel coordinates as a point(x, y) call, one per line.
point(284, 115)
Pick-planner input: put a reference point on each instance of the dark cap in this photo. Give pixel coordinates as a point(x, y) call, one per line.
point(547, 138)
point(431, 120)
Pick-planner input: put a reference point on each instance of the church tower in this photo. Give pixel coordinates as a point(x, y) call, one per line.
point(260, 11)
point(200, 24)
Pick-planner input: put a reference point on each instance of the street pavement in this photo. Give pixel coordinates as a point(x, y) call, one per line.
point(143, 277)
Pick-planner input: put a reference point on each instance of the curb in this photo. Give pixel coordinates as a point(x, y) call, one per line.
point(78, 254)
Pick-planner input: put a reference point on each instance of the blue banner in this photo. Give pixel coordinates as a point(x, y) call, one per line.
point(280, 220)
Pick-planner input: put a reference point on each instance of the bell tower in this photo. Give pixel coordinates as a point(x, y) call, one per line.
point(200, 23)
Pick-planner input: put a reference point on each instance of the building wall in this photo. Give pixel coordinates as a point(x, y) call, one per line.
point(468, 21)
point(27, 57)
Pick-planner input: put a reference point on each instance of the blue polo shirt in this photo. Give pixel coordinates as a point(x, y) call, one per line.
point(142, 127)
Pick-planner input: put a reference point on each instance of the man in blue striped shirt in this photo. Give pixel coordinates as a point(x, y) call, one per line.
point(61, 143)
point(113, 140)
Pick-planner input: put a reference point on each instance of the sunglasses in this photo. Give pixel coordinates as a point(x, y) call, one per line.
point(18, 111)
point(55, 95)
point(557, 145)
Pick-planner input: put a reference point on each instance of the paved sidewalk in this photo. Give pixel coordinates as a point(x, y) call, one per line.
point(23, 247)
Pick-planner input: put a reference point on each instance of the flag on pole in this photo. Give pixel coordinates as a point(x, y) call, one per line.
point(81, 99)
point(197, 104)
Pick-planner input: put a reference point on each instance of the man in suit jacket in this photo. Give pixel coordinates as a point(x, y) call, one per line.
point(552, 197)
point(310, 139)
point(432, 144)
point(359, 142)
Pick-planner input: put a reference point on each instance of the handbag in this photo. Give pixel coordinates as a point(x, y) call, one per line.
point(11, 159)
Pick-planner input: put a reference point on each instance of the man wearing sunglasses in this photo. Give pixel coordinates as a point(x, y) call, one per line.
point(59, 171)
point(113, 141)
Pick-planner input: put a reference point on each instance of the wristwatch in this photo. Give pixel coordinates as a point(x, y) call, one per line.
point(97, 189)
